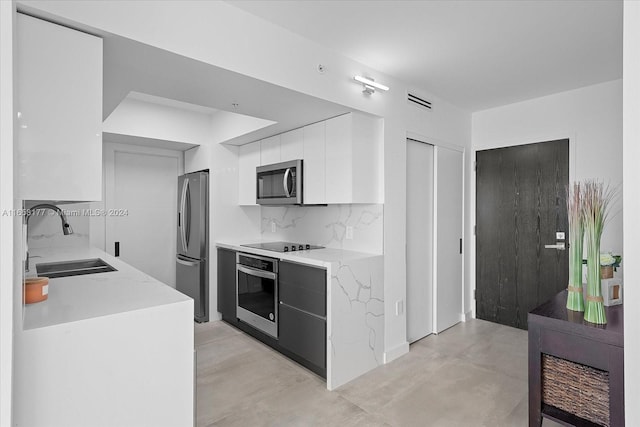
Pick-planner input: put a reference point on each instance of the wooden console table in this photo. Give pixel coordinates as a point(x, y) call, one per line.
point(563, 334)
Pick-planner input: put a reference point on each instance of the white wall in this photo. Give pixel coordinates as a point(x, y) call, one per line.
point(591, 117)
point(227, 220)
point(631, 148)
point(9, 257)
point(201, 30)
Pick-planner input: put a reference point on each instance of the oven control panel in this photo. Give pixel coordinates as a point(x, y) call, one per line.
point(259, 263)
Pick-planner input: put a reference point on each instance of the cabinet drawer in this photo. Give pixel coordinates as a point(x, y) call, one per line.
point(303, 287)
point(303, 334)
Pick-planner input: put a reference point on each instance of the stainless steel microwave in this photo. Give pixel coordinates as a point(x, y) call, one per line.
point(279, 183)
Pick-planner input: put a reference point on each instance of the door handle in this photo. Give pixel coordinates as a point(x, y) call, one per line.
point(183, 197)
point(285, 182)
point(257, 273)
point(187, 263)
point(558, 246)
point(187, 218)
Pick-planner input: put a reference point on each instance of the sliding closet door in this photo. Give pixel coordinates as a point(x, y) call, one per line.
point(448, 238)
point(419, 240)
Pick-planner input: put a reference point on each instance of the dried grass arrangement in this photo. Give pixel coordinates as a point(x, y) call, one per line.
point(596, 201)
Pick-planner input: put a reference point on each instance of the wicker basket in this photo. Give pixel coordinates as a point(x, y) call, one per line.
point(606, 272)
point(578, 389)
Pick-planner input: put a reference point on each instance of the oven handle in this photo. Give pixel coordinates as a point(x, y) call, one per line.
point(254, 272)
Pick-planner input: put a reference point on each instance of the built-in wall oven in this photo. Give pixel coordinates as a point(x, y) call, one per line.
point(257, 292)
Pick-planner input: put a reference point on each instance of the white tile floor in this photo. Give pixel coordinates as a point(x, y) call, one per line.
point(474, 374)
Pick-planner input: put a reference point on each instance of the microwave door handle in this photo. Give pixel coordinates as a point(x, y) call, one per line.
point(285, 182)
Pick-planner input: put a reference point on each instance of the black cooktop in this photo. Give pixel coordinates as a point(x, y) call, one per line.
point(283, 246)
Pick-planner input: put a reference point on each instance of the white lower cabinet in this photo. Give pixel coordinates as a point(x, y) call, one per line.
point(59, 100)
point(126, 369)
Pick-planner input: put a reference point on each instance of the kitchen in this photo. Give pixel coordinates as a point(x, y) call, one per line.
point(247, 223)
point(115, 223)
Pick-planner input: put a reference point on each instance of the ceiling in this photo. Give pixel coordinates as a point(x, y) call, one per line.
point(476, 54)
point(170, 79)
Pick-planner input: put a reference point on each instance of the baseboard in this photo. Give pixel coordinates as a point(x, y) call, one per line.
point(396, 352)
point(465, 317)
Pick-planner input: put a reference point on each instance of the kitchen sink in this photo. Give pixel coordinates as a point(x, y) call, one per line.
point(73, 268)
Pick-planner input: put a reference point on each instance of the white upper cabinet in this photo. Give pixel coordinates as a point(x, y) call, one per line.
point(291, 145)
point(59, 97)
point(342, 160)
point(339, 156)
point(353, 147)
point(248, 161)
point(313, 165)
point(270, 150)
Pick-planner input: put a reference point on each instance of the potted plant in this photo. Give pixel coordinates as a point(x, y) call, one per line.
point(608, 264)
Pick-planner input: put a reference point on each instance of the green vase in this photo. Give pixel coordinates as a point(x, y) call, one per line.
point(575, 298)
point(594, 304)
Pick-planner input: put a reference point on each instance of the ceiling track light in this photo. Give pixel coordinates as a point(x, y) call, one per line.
point(369, 85)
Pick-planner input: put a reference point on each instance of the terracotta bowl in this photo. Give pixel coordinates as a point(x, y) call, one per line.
point(36, 289)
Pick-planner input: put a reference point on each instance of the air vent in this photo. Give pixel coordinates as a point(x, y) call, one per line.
point(419, 101)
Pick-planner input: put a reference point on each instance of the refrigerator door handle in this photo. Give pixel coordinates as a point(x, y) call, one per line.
point(183, 197)
point(187, 218)
point(187, 263)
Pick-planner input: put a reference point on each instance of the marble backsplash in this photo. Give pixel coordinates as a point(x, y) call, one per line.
point(326, 226)
point(320, 225)
point(45, 231)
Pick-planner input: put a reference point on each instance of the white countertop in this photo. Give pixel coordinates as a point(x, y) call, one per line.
point(88, 296)
point(316, 257)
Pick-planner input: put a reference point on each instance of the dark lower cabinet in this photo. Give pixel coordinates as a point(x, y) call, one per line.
point(227, 285)
point(304, 335)
point(302, 325)
point(302, 311)
point(303, 287)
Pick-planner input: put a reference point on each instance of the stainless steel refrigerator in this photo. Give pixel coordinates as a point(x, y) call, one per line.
point(192, 259)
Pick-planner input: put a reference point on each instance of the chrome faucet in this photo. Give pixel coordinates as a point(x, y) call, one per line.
point(66, 228)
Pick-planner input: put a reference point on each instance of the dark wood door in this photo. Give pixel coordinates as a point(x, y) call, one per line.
point(520, 205)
